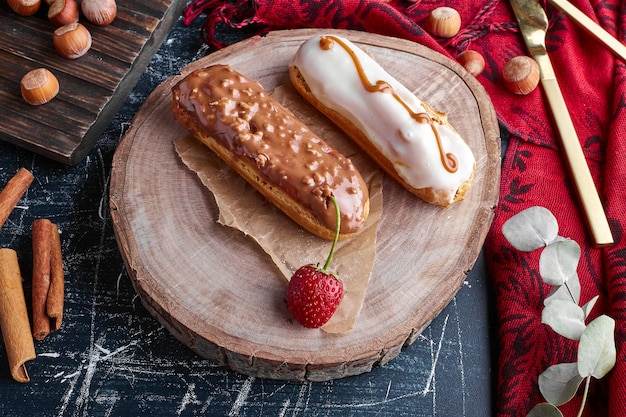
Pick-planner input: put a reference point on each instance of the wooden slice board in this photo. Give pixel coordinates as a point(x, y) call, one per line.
point(217, 292)
point(92, 88)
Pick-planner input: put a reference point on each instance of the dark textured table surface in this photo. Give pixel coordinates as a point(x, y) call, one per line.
point(111, 358)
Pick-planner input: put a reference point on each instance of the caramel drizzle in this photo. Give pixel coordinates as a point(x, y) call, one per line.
point(448, 160)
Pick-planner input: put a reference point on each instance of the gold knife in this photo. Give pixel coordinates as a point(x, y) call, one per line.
point(533, 23)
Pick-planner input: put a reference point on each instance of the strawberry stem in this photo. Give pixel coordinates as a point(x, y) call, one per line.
point(336, 238)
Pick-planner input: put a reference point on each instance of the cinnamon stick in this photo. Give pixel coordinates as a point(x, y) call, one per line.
point(42, 243)
point(56, 292)
point(13, 191)
point(14, 316)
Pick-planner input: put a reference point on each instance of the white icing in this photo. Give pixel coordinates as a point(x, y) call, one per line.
point(412, 147)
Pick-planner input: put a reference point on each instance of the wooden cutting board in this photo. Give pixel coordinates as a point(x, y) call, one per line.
point(216, 291)
point(92, 88)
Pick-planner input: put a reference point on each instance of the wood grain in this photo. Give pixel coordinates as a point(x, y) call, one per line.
point(220, 295)
point(92, 88)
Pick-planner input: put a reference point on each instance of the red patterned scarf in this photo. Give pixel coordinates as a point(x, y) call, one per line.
point(594, 86)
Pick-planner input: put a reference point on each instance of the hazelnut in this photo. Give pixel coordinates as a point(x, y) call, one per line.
point(444, 22)
point(63, 12)
point(72, 41)
point(99, 12)
point(39, 86)
point(472, 61)
point(24, 7)
point(521, 75)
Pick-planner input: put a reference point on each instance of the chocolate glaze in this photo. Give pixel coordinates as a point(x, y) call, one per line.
point(219, 102)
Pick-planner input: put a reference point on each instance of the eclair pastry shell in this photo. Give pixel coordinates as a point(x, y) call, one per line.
point(431, 195)
point(246, 163)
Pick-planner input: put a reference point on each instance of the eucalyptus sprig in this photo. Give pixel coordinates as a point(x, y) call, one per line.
point(537, 228)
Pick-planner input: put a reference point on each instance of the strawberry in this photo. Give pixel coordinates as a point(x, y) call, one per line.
point(314, 293)
point(313, 296)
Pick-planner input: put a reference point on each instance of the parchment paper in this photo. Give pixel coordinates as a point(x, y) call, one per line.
point(290, 247)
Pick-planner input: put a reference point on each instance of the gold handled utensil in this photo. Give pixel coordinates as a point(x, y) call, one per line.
point(591, 27)
point(533, 23)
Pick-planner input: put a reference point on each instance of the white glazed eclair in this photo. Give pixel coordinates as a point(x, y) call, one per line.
point(410, 140)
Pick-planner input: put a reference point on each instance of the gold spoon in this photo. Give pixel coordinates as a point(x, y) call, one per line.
point(533, 24)
point(591, 27)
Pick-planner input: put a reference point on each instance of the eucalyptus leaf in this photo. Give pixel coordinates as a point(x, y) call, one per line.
point(544, 410)
point(558, 261)
point(596, 350)
point(531, 229)
point(570, 291)
point(558, 384)
point(589, 305)
point(565, 317)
